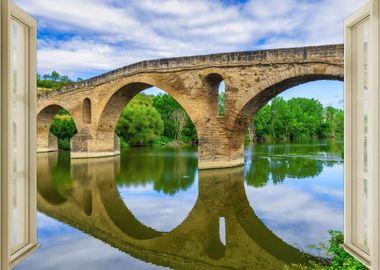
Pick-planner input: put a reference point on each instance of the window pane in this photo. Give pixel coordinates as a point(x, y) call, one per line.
point(19, 138)
point(361, 102)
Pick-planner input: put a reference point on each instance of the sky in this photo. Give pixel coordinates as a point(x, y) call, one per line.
point(85, 38)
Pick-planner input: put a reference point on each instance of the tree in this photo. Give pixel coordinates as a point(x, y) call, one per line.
point(179, 118)
point(221, 103)
point(166, 105)
point(139, 125)
point(52, 81)
point(55, 76)
point(63, 127)
point(297, 119)
point(251, 131)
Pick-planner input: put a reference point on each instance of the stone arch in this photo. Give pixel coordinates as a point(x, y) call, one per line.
point(105, 131)
point(86, 111)
point(46, 141)
point(269, 89)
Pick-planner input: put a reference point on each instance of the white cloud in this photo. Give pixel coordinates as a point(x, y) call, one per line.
point(295, 215)
point(79, 251)
point(337, 193)
point(93, 36)
point(157, 210)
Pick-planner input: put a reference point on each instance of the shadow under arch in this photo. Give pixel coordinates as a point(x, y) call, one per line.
point(254, 104)
point(46, 141)
point(119, 99)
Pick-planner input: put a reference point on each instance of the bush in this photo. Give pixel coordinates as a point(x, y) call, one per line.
point(341, 260)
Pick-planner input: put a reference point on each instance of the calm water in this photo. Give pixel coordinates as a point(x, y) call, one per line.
point(151, 208)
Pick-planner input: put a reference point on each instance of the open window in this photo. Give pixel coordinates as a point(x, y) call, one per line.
point(18, 135)
point(361, 154)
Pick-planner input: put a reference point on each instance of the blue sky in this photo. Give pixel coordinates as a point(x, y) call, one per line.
point(84, 38)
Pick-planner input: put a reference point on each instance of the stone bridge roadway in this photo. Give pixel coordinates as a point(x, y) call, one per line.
point(251, 80)
point(94, 206)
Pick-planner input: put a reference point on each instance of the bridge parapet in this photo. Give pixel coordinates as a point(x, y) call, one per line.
point(244, 58)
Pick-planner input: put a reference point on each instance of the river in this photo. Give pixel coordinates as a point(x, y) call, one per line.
point(151, 208)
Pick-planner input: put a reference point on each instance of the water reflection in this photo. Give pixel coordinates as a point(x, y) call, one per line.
point(157, 210)
point(297, 189)
point(91, 203)
point(168, 169)
point(275, 163)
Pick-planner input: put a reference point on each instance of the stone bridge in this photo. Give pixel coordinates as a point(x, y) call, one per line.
point(89, 200)
point(251, 80)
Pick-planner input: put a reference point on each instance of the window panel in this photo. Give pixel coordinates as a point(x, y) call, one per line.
point(360, 34)
point(359, 135)
point(19, 135)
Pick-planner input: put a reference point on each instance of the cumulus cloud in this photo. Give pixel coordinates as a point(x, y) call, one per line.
point(93, 36)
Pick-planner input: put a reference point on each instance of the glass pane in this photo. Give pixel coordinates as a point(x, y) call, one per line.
point(361, 102)
point(19, 135)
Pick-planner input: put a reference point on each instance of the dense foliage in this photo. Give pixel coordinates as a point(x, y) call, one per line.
point(140, 123)
point(51, 81)
point(63, 127)
point(177, 124)
point(340, 258)
point(297, 119)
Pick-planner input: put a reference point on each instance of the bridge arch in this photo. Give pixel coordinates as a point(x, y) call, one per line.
point(120, 97)
point(272, 87)
point(46, 141)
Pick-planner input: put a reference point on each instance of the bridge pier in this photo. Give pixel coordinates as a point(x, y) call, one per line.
point(215, 150)
point(46, 142)
point(217, 157)
point(86, 145)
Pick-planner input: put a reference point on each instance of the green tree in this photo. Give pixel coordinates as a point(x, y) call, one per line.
point(221, 103)
point(297, 119)
point(55, 76)
point(139, 124)
point(63, 127)
point(52, 81)
point(166, 106)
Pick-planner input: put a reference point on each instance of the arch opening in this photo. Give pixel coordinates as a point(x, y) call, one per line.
point(244, 128)
point(298, 135)
point(215, 83)
point(142, 116)
point(55, 128)
point(86, 111)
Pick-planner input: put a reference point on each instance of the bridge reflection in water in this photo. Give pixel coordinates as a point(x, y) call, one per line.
point(84, 195)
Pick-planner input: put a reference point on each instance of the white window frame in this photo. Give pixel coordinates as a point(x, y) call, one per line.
point(370, 256)
point(8, 259)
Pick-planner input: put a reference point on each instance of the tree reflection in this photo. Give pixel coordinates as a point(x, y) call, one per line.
point(296, 161)
point(169, 170)
point(60, 174)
